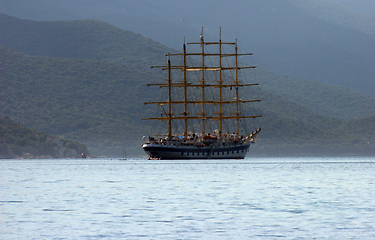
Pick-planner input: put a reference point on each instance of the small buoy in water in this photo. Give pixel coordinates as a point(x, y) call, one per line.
point(83, 155)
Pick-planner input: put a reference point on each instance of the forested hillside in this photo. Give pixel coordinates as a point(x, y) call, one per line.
point(321, 41)
point(86, 81)
point(100, 103)
point(364, 127)
point(100, 41)
point(87, 100)
point(18, 141)
point(322, 99)
point(84, 39)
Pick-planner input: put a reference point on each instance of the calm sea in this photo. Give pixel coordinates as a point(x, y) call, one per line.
point(254, 198)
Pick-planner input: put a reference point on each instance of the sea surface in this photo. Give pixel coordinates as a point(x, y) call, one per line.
point(254, 198)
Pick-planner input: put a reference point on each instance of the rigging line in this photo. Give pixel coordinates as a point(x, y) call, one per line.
point(232, 90)
point(228, 127)
point(177, 125)
point(193, 127)
point(245, 128)
point(176, 90)
point(215, 77)
point(260, 103)
point(234, 125)
point(228, 64)
point(159, 128)
point(254, 124)
point(211, 89)
point(197, 77)
point(177, 109)
point(243, 122)
point(260, 109)
point(156, 124)
point(191, 93)
point(215, 72)
point(191, 62)
point(255, 70)
point(210, 126)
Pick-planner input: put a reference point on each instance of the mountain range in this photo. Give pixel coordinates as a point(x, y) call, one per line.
point(18, 141)
point(322, 41)
point(86, 80)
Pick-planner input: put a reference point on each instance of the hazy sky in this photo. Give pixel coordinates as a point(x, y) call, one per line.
point(366, 7)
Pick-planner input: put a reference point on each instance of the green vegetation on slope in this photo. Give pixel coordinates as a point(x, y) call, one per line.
point(320, 98)
point(18, 141)
point(289, 128)
point(86, 100)
point(286, 38)
point(100, 103)
point(96, 40)
point(83, 39)
point(364, 127)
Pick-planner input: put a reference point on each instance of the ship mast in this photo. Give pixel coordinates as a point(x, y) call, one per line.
point(185, 113)
point(169, 100)
point(237, 96)
point(220, 89)
point(203, 84)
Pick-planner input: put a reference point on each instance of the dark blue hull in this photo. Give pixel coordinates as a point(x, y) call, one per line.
point(195, 152)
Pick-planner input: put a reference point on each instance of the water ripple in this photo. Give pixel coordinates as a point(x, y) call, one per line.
point(292, 198)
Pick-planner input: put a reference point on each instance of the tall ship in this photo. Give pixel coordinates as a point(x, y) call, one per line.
point(203, 106)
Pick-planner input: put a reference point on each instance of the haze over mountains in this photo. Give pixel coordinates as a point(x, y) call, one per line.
point(86, 81)
point(365, 7)
point(321, 41)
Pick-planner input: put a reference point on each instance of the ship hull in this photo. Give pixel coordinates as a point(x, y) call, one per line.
point(158, 151)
